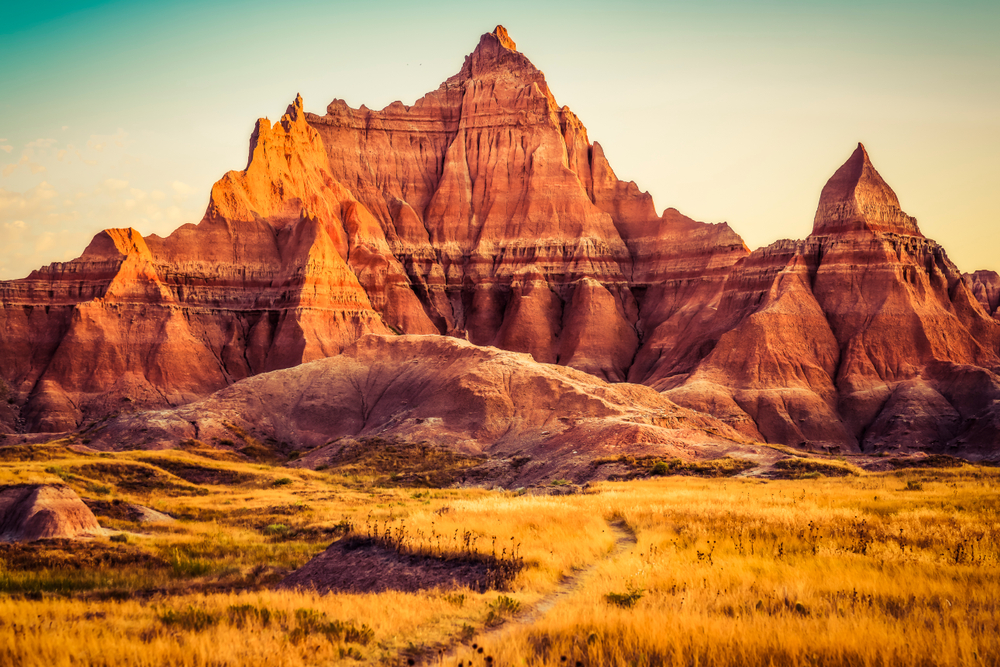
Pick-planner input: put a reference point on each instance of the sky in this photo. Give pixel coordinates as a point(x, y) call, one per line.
point(123, 114)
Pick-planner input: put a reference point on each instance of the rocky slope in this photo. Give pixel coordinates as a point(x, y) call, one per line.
point(512, 227)
point(862, 336)
point(261, 283)
point(472, 400)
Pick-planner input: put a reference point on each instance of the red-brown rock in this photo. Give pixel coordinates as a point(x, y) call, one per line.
point(484, 212)
point(478, 401)
point(481, 211)
point(30, 512)
point(830, 342)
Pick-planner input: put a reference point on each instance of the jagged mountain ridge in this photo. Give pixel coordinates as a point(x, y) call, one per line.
point(481, 211)
point(484, 211)
point(862, 336)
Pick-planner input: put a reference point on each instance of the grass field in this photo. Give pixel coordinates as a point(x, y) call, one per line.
point(896, 568)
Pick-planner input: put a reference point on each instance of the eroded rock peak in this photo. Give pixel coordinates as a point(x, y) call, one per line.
point(500, 33)
point(496, 54)
point(857, 199)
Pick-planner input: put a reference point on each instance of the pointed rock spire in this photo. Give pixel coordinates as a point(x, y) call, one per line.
point(294, 109)
point(496, 54)
point(500, 33)
point(856, 198)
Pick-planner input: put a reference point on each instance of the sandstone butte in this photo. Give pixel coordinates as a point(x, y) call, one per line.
point(484, 212)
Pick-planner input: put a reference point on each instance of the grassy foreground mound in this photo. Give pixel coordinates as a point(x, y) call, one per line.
point(892, 568)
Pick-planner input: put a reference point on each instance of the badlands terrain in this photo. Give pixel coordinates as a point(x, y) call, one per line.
point(483, 212)
point(431, 385)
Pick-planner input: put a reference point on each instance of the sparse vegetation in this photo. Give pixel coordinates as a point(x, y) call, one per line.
point(865, 568)
point(379, 462)
point(627, 599)
point(796, 467)
point(650, 465)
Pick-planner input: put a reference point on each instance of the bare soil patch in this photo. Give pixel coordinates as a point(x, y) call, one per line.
point(360, 565)
point(122, 511)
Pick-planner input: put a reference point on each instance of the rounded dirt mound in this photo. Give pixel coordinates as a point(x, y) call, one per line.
point(360, 566)
point(31, 512)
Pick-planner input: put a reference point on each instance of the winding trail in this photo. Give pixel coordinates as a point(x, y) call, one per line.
point(568, 586)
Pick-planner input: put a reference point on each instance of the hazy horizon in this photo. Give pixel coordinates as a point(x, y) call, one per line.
point(123, 114)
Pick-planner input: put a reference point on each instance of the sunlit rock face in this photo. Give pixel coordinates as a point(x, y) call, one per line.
point(512, 227)
point(857, 199)
point(263, 282)
point(483, 211)
point(864, 336)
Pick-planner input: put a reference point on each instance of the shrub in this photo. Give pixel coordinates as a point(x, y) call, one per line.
point(282, 481)
point(242, 615)
point(457, 599)
point(625, 600)
point(274, 529)
point(506, 605)
point(310, 621)
point(189, 618)
point(659, 468)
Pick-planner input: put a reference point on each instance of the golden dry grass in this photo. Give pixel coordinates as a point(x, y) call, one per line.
point(872, 569)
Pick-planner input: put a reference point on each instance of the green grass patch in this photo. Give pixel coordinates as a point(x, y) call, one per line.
point(805, 468)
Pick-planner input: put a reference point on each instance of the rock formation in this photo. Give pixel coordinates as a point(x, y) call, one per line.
point(481, 211)
point(261, 283)
point(30, 512)
point(484, 212)
point(862, 336)
point(474, 400)
point(512, 227)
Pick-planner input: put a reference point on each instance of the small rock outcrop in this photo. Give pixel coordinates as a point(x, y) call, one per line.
point(30, 512)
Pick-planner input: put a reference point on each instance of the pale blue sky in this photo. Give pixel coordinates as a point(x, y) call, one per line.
point(125, 113)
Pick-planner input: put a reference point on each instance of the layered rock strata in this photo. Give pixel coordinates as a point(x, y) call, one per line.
point(263, 282)
point(482, 211)
point(30, 512)
point(862, 336)
point(477, 401)
point(514, 230)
